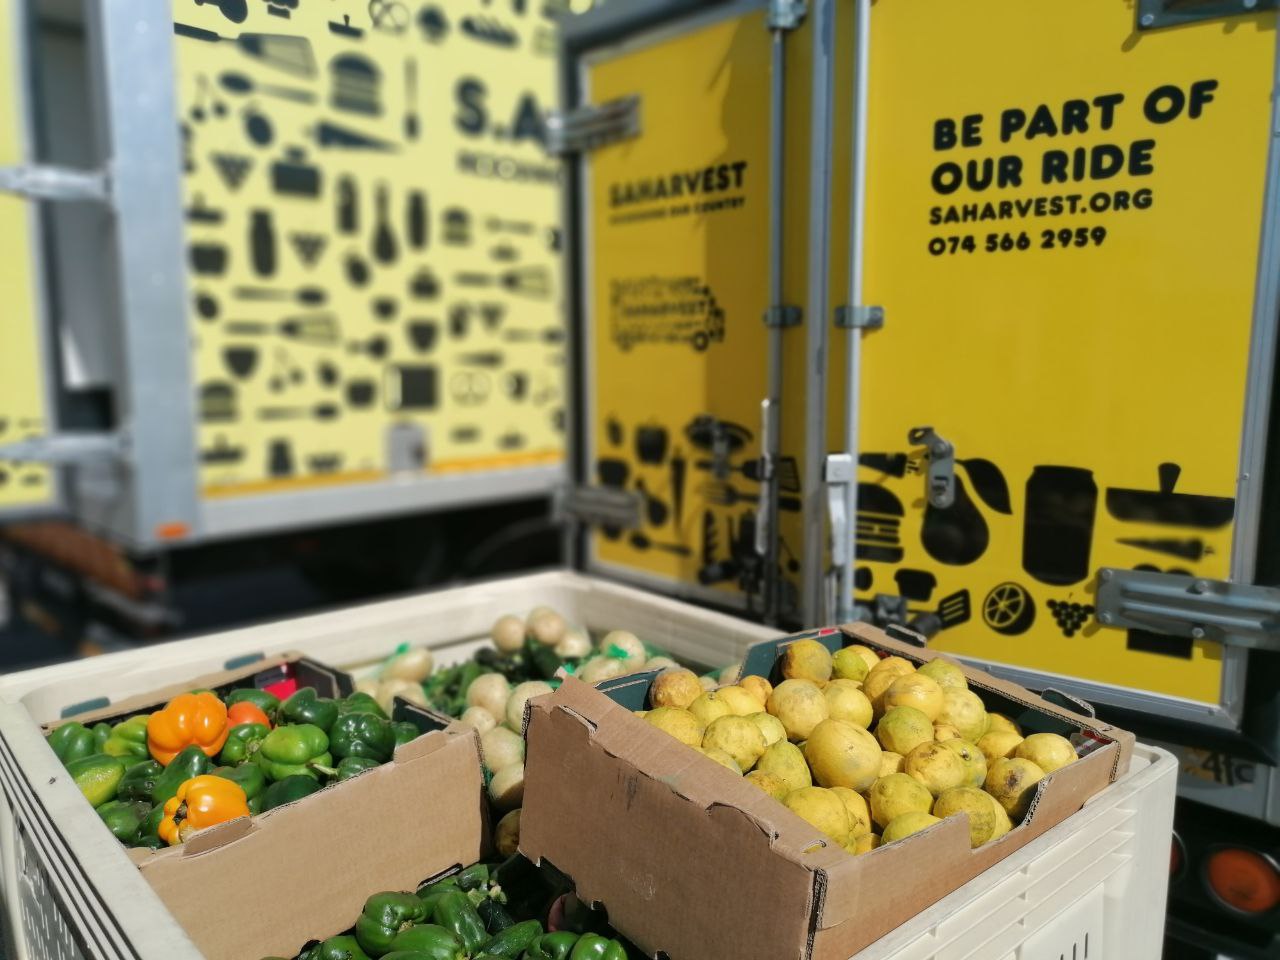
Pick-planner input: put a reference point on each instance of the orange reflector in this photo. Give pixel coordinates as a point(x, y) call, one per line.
point(172, 531)
point(1245, 880)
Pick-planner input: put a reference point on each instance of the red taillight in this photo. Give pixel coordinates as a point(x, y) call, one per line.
point(1243, 880)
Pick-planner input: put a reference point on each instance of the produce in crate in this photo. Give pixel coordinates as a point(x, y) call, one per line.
point(204, 759)
point(855, 744)
point(510, 910)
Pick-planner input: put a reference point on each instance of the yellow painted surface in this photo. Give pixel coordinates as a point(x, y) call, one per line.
point(331, 327)
point(22, 370)
point(1109, 356)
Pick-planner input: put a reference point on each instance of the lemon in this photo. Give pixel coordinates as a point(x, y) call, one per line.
point(806, 660)
point(842, 754)
point(936, 767)
point(1048, 751)
point(770, 726)
point(848, 664)
point(1013, 784)
point(739, 738)
point(740, 702)
point(964, 711)
point(681, 724)
point(709, 706)
point(822, 809)
point(896, 794)
point(846, 702)
point(907, 824)
point(914, 690)
point(945, 674)
point(675, 688)
point(785, 761)
point(902, 729)
point(975, 805)
point(800, 705)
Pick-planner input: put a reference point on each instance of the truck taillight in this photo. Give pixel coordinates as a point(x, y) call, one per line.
point(1243, 880)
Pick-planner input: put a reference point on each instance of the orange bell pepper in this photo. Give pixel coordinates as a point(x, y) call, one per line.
point(201, 802)
point(246, 712)
point(189, 718)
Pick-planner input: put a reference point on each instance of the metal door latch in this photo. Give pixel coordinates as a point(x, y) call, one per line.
point(593, 125)
point(55, 183)
point(599, 506)
point(1153, 14)
point(940, 480)
point(1233, 614)
point(839, 471)
point(785, 14)
point(859, 318)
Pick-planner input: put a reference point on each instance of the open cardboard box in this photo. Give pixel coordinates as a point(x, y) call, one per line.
point(265, 885)
point(703, 864)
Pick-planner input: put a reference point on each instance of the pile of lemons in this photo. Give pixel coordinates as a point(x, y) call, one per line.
point(866, 749)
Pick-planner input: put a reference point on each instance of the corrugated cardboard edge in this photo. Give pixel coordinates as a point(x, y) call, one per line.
point(304, 871)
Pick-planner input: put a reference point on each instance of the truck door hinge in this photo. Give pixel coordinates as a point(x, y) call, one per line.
point(1153, 14)
point(66, 448)
point(55, 183)
point(838, 472)
point(598, 506)
point(783, 315)
point(593, 125)
point(1233, 614)
point(859, 318)
point(940, 480)
point(785, 14)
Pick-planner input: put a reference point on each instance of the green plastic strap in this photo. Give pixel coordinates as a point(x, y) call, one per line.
point(616, 652)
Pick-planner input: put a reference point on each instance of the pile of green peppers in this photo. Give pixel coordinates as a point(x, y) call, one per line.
point(480, 913)
point(315, 741)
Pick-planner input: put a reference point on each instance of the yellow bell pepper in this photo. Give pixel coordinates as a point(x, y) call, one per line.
point(201, 802)
point(189, 718)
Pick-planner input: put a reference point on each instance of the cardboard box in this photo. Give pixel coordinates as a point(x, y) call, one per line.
point(265, 885)
point(703, 864)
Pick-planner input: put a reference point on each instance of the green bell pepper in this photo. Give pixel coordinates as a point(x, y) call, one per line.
point(294, 751)
point(512, 941)
point(404, 731)
point(454, 912)
point(248, 775)
point(342, 947)
point(430, 894)
point(124, 817)
point(306, 707)
point(72, 741)
point(362, 735)
point(139, 781)
point(553, 946)
point(98, 777)
point(242, 743)
point(268, 703)
point(409, 955)
point(128, 739)
point(286, 791)
point(592, 946)
point(190, 762)
point(348, 767)
point(149, 832)
point(101, 734)
point(360, 702)
point(430, 940)
point(384, 916)
point(495, 917)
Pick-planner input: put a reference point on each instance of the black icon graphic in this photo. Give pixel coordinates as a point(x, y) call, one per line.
point(235, 82)
point(511, 440)
point(457, 227)
point(892, 464)
point(785, 469)
point(863, 578)
point(410, 99)
point(207, 102)
point(613, 431)
point(384, 241)
point(389, 16)
point(241, 361)
point(357, 270)
point(361, 393)
point(280, 458)
point(1057, 532)
point(232, 168)
point(717, 437)
point(1147, 642)
point(423, 335)
point(679, 469)
point(307, 296)
point(656, 509)
point(1008, 609)
point(327, 374)
point(1192, 548)
point(651, 443)
point(281, 51)
point(727, 495)
point(308, 246)
point(988, 483)
point(333, 135)
point(1069, 616)
point(470, 387)
point(324, 463)
point(491, 31)
point(504, 253)
point(489, 359)
point(879, 525)
point(459, 320)
point(356, 82)
point(376, 347)
point(281, 8)
point(257, 126)
point(262, 243)
point(423, 285)
point(417, 220)
point(956, 535)
point(1168, 508)
point(491, 315)
point(294, 176)
point(916, 585)
point(218, 402)
point(385, 308)
point(200, 212)
point(208, 259)
point(516, 385)
point(222, 453)
point(285, 372)
point(433, 23)
point(234, 10)
point(642, 542)
point(345, 29)
point(320, 411)
point(953, 609)
point(521, 227)
point(465, 434)
point(412, 388)
point(313, 329)
point(206, 306)
point(188, 158)
point(348, 205)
